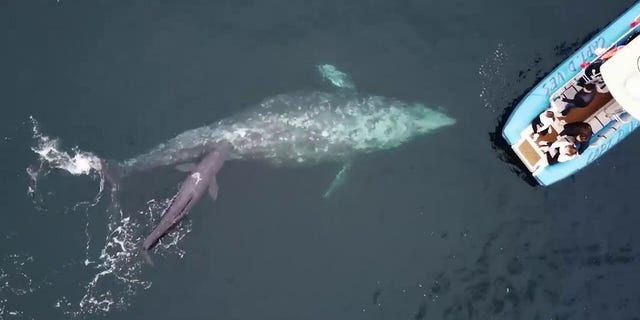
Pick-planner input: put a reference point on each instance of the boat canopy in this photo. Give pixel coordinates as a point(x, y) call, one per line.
point(621, 73)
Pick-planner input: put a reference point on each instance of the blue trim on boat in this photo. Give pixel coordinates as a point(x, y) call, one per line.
point(537, 100)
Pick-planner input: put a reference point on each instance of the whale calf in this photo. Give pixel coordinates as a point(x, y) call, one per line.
point(294, 129)
point(201, 178)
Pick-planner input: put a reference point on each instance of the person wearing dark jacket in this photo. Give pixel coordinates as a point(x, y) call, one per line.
point(581, 99)
point(580, 132)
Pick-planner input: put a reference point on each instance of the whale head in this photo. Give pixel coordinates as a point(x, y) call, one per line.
point(425, 119)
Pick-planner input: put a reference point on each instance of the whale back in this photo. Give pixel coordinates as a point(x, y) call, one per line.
point(302, 128)
point(306, 128)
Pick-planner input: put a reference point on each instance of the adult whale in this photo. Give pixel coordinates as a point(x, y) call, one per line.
point(300, 128)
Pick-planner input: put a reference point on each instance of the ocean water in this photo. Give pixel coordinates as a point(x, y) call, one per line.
point(439, 228)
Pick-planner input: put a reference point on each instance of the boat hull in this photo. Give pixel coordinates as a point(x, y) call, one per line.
point(537, 101)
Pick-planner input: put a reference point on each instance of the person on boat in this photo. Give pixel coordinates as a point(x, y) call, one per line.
point(542, 124)
point(579, 133)
point(592, 74)
point(561, 151)
point(581, 99)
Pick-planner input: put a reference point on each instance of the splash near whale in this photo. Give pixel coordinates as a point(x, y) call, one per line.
point(294, 129)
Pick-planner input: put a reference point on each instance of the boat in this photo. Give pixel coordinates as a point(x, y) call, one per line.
point(598, 85)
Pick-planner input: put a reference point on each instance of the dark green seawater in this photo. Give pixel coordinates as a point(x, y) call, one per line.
point(439, 228)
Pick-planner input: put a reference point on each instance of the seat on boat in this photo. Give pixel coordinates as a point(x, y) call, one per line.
point(616, 112)
point(617, 117)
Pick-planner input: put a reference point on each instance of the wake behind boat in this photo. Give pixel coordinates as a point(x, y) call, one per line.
point(583, 108)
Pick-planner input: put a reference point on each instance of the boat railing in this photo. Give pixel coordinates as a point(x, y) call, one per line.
point(618, 113)
point(616, 116)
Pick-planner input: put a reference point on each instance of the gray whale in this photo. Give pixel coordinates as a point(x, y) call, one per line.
point(294, 129)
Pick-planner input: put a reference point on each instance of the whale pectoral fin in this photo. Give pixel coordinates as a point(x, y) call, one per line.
point(338, 180)
point(336, 77)
point(186, 167)
point(213, 189)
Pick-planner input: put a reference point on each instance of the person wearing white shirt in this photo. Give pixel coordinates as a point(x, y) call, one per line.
point(560, 151)
point(542, 124)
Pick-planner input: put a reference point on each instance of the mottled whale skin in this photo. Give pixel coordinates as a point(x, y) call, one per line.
point(295, 129)
point(301, 128)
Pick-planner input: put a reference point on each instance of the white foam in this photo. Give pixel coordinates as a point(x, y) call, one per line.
point(81, 163)
point(116, 271)
point(14, 282)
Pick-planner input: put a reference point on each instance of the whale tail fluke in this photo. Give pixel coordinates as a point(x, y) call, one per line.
point(146, 256)
point(113, 171)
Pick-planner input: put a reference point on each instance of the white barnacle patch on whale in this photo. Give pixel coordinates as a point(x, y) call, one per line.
point(196, 175)
point(241, 132)
point(299, 122)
